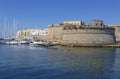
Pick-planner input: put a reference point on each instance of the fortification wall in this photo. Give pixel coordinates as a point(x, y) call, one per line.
point(55, 33)
point(117, 33)
point(88, 37)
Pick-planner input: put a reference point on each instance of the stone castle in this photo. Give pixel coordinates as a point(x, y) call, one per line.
point(76, 33)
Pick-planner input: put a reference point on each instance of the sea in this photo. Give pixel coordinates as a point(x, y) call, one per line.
point(25, 62)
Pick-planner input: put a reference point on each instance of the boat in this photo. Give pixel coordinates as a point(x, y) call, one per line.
point(40, 43)
point(13, 42)
point(25, 42)
point(2, 41)
point(53, 43)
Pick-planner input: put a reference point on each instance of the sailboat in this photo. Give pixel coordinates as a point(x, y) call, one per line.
point(12, 41)
point(39, 43)
point(24, 42)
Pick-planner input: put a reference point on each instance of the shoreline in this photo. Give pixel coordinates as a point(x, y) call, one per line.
point(114, 45)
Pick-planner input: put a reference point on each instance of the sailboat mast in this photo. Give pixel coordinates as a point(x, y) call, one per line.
point(5, 27)
point(14, 25)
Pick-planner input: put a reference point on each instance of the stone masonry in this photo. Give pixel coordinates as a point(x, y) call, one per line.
point(95, 33)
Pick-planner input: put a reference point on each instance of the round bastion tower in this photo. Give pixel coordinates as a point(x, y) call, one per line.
point(94, 34)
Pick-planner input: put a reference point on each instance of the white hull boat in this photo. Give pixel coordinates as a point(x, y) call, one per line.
point(24, 42)
point(39, 44)
point(12, 42)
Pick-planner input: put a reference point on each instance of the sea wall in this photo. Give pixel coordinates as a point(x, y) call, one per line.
point(117, 33)
point(55, 32)
point(91, 36)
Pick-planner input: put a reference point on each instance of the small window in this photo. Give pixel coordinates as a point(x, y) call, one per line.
point(95, 24)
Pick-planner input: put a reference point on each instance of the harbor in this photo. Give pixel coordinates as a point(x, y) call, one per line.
point(59, 39)
point(28, 62)
point(69, 33)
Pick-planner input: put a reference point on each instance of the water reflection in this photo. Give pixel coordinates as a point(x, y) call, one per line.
point(63, 63)
point(117, 64)
point(84, 63)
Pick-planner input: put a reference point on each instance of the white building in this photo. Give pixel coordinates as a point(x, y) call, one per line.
point(32, 34)
point(39, 32)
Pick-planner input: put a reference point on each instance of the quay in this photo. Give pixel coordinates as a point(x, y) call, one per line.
point(116, 45)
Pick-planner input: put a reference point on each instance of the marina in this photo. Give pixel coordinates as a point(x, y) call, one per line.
point(59, 39)
point(33, 43)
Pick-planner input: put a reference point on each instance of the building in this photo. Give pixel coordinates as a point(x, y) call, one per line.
point(32, 34)
point(96, 23)
point(23, 34)
point(73, 23)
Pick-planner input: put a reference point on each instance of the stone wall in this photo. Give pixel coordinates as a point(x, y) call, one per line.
point(88, 37)
point(55, 33)
point(94, 23)
point(96, 33)
point(117, 33)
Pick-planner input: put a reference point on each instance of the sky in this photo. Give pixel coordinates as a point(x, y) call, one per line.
point(41, 13)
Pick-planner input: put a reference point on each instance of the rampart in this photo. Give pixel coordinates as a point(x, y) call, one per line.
point(93, 34)
point(117, 33)
point(55, 32)
point(88, 36)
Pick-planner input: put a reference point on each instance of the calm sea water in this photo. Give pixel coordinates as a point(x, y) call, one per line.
point(24, 62)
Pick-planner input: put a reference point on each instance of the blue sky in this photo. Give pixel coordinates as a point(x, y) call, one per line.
point(40, 13)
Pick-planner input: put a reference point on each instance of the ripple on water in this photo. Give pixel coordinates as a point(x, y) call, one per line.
point(24, 62)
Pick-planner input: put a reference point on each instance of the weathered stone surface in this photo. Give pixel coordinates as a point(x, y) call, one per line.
point(94, 23)
point(117, 33)
point(55, 33)
point(88, 36)
point(82, 34)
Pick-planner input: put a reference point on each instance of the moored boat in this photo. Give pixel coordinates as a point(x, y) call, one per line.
point(54, 43)
point(40, 43)
point(13, 42)
point(25, 42)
